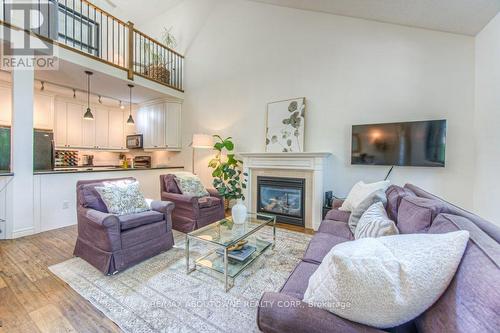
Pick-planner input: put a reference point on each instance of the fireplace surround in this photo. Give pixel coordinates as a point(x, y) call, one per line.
point(313, 167)
point(283, 197)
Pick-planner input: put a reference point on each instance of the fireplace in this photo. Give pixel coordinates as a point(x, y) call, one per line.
point(283, 197)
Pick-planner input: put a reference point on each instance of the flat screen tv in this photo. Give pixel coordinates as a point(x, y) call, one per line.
point(418, 143)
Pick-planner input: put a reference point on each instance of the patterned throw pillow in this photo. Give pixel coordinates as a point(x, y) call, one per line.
point(375, 223)
point(122, 198)
point(190, 184)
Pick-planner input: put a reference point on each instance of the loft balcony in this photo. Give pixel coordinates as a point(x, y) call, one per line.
point(87, 31)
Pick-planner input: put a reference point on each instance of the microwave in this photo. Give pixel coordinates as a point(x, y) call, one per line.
point(134, 141)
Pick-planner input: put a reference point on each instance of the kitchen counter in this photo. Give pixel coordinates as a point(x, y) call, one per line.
point(100, 169)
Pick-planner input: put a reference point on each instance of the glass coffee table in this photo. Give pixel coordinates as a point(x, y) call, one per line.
point(226, 236)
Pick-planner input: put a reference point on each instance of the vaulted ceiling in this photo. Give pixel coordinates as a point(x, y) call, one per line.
point(466, 17)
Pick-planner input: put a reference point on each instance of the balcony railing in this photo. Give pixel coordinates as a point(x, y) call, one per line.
point(89, 30)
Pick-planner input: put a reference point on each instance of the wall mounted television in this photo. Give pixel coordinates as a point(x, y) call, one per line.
point(417, 143)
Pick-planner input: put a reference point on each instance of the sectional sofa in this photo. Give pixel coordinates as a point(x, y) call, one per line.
point(470, 304)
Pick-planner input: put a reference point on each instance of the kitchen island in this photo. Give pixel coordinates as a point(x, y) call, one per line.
point(55, 191)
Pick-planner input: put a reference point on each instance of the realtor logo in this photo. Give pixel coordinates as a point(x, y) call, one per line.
point(22, 48)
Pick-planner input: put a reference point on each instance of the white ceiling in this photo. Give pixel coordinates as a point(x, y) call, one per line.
point(466, 17)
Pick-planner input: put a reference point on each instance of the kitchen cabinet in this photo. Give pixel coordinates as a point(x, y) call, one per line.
point(43, 106)
point(60, 121)
point(74, 125)
point(5, 106)
point(173, 126)
point(116, 130)
point(159, 124)
point(101, 128)
point(43, 116)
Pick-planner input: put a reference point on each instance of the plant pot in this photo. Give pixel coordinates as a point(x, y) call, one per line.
point(239, 212)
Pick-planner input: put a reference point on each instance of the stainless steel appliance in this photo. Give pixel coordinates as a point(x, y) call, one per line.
point(142, 162)
point(134, 141)
point(88, 160)
point(4, 149)
point(43, 150)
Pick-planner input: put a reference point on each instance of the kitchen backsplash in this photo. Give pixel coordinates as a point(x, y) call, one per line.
point(104, 158)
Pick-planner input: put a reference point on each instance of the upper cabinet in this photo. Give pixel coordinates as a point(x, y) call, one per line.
point(43, 109)
point(5, 106)
point(160, 124)
point(43, 116)
point(105, 132)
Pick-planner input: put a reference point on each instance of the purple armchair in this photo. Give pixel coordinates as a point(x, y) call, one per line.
point(191, 213)
point(112, 243)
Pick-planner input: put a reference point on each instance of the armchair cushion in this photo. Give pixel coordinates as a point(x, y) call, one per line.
point(205, 202)
point(135, 220)
point(122, 198)
point(190, 184)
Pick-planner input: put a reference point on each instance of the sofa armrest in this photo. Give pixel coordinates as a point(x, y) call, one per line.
point(214, 193)
point(337, 203)
point(178, 198)
point(100, 229)
point(279, 312)
point(165, 207)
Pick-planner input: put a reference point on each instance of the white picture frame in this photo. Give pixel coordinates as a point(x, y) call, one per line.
point(285, 123)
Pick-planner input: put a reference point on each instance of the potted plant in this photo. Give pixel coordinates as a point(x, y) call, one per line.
point(229, 179)
point(157, 68)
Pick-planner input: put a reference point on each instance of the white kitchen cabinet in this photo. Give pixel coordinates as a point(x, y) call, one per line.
point(5, 106)
point(101, 128)
point(74, 125)
point(116, 130)
point(89, 131)
point(60, 124)
point(159, 124)
point(43, 116)
point(173, 126)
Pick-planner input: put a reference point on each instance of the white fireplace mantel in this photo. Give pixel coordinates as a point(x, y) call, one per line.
point(313, 163)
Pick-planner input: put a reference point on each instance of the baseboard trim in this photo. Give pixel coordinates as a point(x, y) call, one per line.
point(23, 232)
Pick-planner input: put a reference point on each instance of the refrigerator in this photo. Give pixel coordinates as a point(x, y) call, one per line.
point(43, 150)
point(4, 149)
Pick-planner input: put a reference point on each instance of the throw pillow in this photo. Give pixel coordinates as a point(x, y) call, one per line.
point(122, 198)
point(387, 281)
point(375, 223)
point(377, 196)
point(190, 184)
point(360, 191)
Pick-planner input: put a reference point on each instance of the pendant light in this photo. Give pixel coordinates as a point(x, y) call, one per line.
point(130, 120)
point(88, 114)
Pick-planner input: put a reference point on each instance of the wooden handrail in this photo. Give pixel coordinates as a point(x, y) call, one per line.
point(136, 53)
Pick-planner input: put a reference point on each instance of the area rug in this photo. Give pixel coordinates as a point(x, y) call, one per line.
point(158, 296)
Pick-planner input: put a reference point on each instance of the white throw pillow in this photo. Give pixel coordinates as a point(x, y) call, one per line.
point(360, 191)
point(190, 184)
point(387, 281)
point(122, 197)
point(375, 223)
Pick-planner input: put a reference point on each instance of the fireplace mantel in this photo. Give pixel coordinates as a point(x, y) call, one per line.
point(311, 164)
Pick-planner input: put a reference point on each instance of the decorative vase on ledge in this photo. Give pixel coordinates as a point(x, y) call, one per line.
point(239, 212)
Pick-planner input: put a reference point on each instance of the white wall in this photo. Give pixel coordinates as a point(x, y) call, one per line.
point(487, 121)
point(241, 55)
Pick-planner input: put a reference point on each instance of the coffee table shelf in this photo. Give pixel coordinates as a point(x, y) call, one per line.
point(224, 234)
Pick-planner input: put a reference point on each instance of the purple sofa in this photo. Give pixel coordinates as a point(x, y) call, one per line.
point(113, 243)
point(190, 212)
point(470, 304)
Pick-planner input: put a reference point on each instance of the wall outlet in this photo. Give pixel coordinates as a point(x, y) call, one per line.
point(65, 205)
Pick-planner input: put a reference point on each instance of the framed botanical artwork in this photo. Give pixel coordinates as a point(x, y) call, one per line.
point(285, 126)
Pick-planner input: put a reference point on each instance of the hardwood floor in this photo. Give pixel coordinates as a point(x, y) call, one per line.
point(32, 299)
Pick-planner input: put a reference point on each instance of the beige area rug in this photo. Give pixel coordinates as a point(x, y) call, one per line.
point(158, 296)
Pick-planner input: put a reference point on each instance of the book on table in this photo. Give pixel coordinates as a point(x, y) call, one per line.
point(240, 255)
